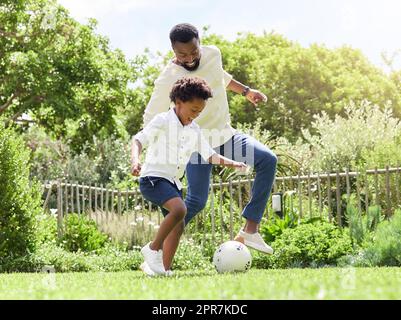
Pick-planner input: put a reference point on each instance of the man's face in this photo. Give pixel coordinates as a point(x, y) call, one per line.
point(187, 54)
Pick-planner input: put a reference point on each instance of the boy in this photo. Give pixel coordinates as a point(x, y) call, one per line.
point(171, 138)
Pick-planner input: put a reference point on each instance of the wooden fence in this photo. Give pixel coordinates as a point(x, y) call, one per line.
point(314, 194)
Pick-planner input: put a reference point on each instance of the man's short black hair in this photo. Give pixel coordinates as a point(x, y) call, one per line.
point(188, 88)
point(183, 32)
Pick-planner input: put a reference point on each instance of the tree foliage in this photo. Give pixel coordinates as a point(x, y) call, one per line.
point(63, 74)
point(300, 82)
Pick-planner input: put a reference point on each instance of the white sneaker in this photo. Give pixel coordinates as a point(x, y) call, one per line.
point(145, 268)
point(154, 259)
point(169, 273)
point(254, 240)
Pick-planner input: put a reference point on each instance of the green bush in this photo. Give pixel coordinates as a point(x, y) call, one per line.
point(362, 226)
point(276, 225)
point(47, 228)
point(111, 259)
point(307, 245)
point(81, 234)
point(19, 198)
point(385, 250)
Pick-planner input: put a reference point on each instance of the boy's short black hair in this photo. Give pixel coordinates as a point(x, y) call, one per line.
point(183, 32)
point(188, 88)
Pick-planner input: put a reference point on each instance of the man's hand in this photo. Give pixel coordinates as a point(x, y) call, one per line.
point(255, 96)
point(136, 168)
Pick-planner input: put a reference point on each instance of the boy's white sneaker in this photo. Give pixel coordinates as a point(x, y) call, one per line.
point(169, 273)
point(154, 259)
point(254, 240)
point(145, 268)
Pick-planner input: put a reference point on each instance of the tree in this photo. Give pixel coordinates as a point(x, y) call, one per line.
point(60, 72)
point(300, 82)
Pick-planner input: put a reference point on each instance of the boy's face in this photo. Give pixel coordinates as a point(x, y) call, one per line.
point(189, 110)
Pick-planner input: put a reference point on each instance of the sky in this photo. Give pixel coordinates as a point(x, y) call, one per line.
point(373, 26)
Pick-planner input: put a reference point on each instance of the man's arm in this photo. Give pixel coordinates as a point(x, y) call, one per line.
point(254, 96)
point(160, 99)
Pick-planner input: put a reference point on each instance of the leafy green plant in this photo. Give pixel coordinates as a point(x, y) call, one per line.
point(276, 225)
point(361, 226)
point(82, 234)
point(385, 250)
point(307, 245)
point(19, 197)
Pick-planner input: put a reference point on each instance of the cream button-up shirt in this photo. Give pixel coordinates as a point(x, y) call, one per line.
point(214, 120)
point(170, 146)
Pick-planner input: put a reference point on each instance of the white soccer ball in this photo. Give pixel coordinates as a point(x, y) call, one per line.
point(232, 256)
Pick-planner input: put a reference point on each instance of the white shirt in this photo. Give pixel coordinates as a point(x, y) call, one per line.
point(170, 146)
point(215, 117)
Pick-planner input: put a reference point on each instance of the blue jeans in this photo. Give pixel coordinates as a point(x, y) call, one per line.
point(240, 147)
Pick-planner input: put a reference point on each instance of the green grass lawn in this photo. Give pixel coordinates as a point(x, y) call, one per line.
point(326, 283)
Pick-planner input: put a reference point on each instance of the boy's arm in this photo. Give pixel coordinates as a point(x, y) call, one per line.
point(141, 140)
point(220, 160)
point(213, 157)
point(136, 148)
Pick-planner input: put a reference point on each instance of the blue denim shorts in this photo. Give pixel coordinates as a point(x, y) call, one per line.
point(158, 191)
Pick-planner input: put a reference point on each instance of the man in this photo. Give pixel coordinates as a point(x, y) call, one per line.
point(192, 59)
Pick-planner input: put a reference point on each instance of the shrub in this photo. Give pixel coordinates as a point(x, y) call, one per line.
point(276, 225)
point(81, 234)
point(307, 245)
point(111, 259)
point(19, 199)
point(385, 250)
point(47, 228)
point(362, 226)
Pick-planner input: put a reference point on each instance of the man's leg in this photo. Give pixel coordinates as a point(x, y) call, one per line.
point(198, 177)
point(247, 149)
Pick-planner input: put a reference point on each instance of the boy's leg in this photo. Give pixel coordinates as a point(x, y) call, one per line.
point(170, 245)
point(198, 177)
point(177, 210)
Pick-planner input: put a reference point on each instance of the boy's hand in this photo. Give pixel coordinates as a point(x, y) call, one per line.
point(136, 168)
point(241, 168)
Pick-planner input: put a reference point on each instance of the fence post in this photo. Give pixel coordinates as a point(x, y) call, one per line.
point(49, 192)
point(319, 191)
point(212, 210)
point(59, 211)
point(221, 210)
point(397, 181)
point(300, 195)
point(358, 193)
point(240, 197)
point(119, 203)
point(90, 200)
point(66, 196)
point(347, 181)
point(338, 196)
point(329, 196)
point(377, 188)
point(72, 196)
point(366, 192)
point(78, 202)
point(309, 196)
point(231, 210)
point(388, 211)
